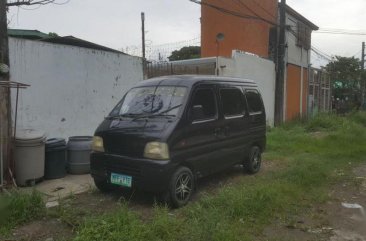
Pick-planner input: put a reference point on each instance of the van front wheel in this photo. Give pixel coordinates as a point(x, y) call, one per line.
point(181, 187)
point(253, 162)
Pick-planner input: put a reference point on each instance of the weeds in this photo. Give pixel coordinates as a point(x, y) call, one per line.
point(313, 154)
point(18, 208)
point(242, 210)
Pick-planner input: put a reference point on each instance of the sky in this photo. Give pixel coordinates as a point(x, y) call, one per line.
point(174, 23)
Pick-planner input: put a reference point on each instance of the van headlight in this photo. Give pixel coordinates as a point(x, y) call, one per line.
point(97, 144)
point(156, 150)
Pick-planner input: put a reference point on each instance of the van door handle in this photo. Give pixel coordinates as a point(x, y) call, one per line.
point(226, 131)
point(217, 132)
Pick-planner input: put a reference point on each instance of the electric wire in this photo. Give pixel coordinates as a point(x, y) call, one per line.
point(264, 9)
point(252, 11)
point(233, 13)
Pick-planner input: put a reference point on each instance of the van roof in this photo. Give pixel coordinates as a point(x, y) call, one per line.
point(190, 80)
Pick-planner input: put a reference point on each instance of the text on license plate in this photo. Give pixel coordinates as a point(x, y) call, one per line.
point(121, 180)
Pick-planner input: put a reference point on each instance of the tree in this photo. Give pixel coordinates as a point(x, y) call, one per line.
point(189, 52)
point(346, 78)
point(28, 2)
point(52, 34)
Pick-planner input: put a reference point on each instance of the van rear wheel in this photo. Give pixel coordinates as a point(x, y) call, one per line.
point(181, 187)
point(252, 163)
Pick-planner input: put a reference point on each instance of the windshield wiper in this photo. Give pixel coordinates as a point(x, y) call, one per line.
point(122, 115)
point(159, 114)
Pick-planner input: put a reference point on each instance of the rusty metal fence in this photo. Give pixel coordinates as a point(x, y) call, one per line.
point(196, 67)
point(320, 96)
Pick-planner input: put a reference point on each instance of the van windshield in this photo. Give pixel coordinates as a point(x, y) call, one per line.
point(152, 100)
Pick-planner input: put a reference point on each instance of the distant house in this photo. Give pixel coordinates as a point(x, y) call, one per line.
point(74, 83)
point(241, 33)
point(298, 53)
point(251, 26)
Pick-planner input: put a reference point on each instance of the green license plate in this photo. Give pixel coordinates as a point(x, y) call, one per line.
point(121, 180)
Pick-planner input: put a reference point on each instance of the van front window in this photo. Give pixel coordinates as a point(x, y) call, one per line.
point(164, 100)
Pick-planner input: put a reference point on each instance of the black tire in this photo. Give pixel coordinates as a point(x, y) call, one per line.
point(252, 163)
point(103, 186)
point(181, 187)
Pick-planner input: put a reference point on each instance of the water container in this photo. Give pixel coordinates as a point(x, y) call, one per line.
point(29, 156)
point(55, 166)
point(79, 148)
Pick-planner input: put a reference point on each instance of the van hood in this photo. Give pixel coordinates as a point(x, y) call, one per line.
point(128, 138)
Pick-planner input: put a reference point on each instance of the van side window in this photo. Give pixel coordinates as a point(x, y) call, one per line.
point(254, 100)
point(233, 103)
point(204, 105)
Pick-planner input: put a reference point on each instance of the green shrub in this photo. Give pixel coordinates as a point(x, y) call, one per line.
point(17, 208)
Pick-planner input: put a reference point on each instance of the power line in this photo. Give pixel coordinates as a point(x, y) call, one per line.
point(269, 13)
point(321, 53)
point(341, 31)
point(358, 52)
point(233, 13)
point(252, 11)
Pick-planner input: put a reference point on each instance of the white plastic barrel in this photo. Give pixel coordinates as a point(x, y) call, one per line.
point(29, 156)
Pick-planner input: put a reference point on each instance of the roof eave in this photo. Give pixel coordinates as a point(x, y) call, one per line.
point(300, 17)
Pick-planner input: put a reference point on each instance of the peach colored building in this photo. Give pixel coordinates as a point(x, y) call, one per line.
point(245, 34)
point(250, 26)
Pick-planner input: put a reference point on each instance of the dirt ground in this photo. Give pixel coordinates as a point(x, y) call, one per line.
point(329, 221)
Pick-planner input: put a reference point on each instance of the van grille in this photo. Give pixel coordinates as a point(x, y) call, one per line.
point(125, 169)
point(125, 145)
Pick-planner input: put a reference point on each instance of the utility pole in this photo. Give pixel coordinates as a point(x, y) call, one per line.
point(5, 107)
point(143, 44)
point(280, 75)
point(363, 75)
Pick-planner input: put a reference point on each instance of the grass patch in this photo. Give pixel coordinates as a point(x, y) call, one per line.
point(17, 208)
point(312, 155)
point(241, 211)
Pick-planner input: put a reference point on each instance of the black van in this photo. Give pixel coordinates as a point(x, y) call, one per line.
point(167, 132)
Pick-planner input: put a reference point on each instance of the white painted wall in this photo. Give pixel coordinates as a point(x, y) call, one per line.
point(262, 71)
point(72, 88)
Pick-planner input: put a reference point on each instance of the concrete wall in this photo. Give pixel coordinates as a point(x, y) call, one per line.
point(72, 88)
point(250, 35)
point(262, 71)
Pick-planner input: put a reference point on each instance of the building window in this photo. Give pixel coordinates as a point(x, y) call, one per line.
point(303, 36)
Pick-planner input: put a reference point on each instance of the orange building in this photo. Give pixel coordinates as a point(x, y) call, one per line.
point(298, 54)
point(242, 32)
point(251, 26)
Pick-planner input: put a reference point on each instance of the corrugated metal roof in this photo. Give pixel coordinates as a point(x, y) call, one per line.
point(27, 34)
point(67, 40)
point(71, 40)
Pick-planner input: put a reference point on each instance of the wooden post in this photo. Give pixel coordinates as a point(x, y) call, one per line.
point(5, 107)
point(143, 45)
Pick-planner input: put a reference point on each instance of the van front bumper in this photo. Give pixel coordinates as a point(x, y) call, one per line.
point(148, 175)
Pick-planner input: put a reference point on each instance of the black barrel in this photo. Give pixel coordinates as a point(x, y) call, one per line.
point(56, 161)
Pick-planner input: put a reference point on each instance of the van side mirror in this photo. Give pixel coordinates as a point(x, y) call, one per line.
point(197, 113)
